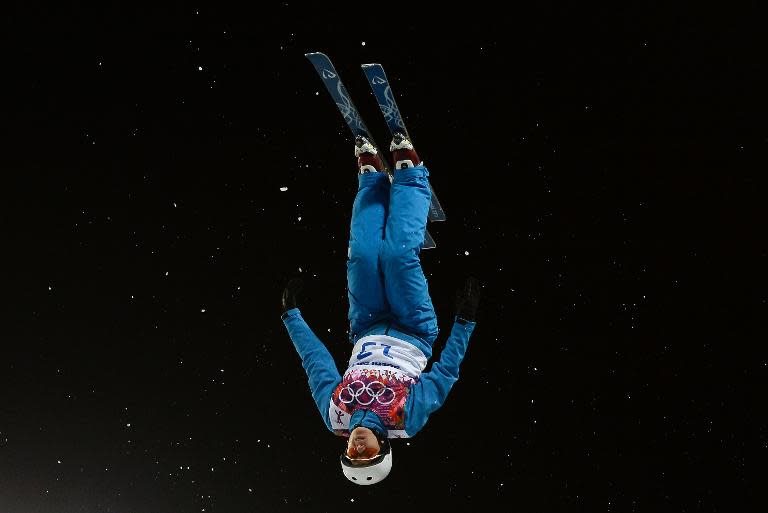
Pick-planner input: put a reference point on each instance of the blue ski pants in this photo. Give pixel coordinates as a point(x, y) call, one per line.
point(385, 281)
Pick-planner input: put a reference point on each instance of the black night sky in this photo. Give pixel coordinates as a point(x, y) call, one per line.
point(168, 169)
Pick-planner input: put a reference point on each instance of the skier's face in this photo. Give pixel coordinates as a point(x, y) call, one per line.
point(362, 443)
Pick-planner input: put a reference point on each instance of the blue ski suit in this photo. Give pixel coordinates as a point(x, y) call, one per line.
point(392, 322)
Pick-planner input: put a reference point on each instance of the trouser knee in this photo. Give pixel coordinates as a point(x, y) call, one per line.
point(396, 254)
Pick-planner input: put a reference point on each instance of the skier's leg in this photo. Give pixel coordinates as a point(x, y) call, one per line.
point(404, 281)
point(365, 288)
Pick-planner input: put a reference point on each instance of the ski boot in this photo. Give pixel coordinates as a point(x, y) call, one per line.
point(403, 153)
point(368, 159)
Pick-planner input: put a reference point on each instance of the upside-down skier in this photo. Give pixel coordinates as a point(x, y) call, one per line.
point(383, 393)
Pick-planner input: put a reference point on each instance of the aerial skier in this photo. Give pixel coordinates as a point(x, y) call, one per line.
point(383, 393)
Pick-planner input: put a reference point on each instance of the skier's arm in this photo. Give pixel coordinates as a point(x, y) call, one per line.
point(430, 391)
point(316, 360)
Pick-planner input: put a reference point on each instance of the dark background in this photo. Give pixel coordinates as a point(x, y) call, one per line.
point(603, 175)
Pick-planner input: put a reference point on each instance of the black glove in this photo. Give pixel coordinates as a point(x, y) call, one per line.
point(468, 299)
point(291, 294)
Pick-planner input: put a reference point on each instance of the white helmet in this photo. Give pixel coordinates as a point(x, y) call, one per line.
point(370, 470)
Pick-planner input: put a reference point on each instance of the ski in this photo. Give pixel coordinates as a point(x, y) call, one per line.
point(382, 90)
point(335, 87)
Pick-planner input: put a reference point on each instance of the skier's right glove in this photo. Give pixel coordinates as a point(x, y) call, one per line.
point(468, 299)
point(291, 294)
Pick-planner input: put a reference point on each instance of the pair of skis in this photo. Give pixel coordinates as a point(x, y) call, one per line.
point(382, 90)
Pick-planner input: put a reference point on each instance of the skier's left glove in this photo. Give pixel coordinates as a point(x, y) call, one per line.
point(468, 299)
point(291, 294)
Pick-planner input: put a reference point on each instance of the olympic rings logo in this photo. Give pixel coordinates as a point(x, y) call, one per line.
point(373, 390)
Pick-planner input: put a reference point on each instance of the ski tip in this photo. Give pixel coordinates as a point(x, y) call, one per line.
point(310, 54)
point(370, 65)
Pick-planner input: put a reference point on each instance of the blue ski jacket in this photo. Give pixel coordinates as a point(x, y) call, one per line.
point(425, 395)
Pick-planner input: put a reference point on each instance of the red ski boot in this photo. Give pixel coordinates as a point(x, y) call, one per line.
point(368, 159)
point(403, 153)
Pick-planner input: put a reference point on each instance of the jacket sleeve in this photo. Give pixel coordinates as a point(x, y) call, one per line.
point(318, 363)
point(430, 391)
